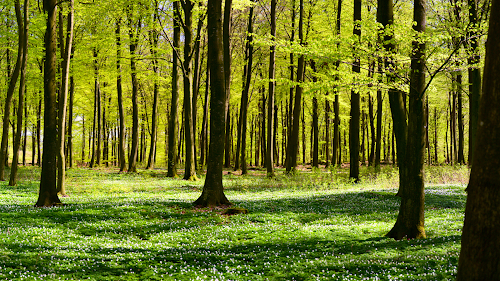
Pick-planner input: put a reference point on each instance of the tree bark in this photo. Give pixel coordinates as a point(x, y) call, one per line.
point(132, 162)
point(121, 114)
point(293, 141)
point(10, 94)
point(173, 118)
point(410, 221)
point(479, 255)
point(270, 100)
point(47, 195)
point(61, 159)
point(153, 39)
point(355, 104)
point(22, 85)
point(213, 190)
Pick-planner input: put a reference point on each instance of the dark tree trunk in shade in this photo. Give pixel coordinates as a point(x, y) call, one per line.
point(213, 190)
point(474, 75)
point(271, 137)
point(479, 254)
point(396, 101)
point(227, 77)
point(293, 141)
point(153, 40)
point(315, 121)
point(47, 195)
point(133, 33)
point(355, 105)
point(410, 221)
point(121, 112)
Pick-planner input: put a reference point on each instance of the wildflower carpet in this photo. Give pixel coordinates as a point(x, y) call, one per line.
point(314, 225)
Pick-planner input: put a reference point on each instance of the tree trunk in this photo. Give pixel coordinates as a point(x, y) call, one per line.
point(10, 92)
point(69, 153)
point(121, 113)
point(204, 124)
point(474, 76)
point(61, 159)
point(396, 101)
point(132, 162)
point(47, 195)
point(355, 104)
point(244, 95)
point(293, 141)
point(173, 118)
point(271, 138)
point(153, 39)
point(410, 221)
point(213, 190)
point(227, 77)
point(23, 28)
point(479, 255)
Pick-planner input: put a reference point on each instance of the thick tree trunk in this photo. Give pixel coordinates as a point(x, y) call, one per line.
point(474, 76)
point(22, 85)
point(410, 221)
point(213, 190)
point(479, 255)
point(173, 118)
point(355, 105)
point(47, 195)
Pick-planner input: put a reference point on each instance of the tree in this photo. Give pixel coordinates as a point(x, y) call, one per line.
point(479, 255)
point(355, 104)
point(410, 221)
point(173, 118)
point(270, 101)
point(133, 34)
point(63, 101)
point(293, 141)
point(119, 90)
point(47, 195)
point(10, 94)
point(23, 29)
point(213, 190)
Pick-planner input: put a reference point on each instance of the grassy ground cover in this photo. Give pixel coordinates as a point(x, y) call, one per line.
point(314, 225)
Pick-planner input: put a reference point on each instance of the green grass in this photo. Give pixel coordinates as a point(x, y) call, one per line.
point(314, 225)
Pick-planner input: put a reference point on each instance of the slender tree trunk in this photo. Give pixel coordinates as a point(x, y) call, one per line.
point(10, 92)
point(271, 137)
point(48, 193)
point(189, 164)
point(292, 148)
point(336, 107)
point(173, 118)
point(213, 190)
point(25, 134)
point(132, 162)
point(204, 124)
point(61, 159)
point(70, 121)
point(290, 123)
point(39, 131)
point(153, 39)
point(479, 255)
point(355, 104)
point(23, 28)
point(121, 113)
point(227, 77)
point(244, 95)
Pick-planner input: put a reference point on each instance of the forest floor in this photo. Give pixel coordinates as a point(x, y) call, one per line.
point(313, 225)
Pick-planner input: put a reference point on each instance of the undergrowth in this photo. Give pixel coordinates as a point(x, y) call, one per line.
point(313, 225)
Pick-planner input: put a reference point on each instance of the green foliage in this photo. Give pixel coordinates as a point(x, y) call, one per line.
point(312, 225)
